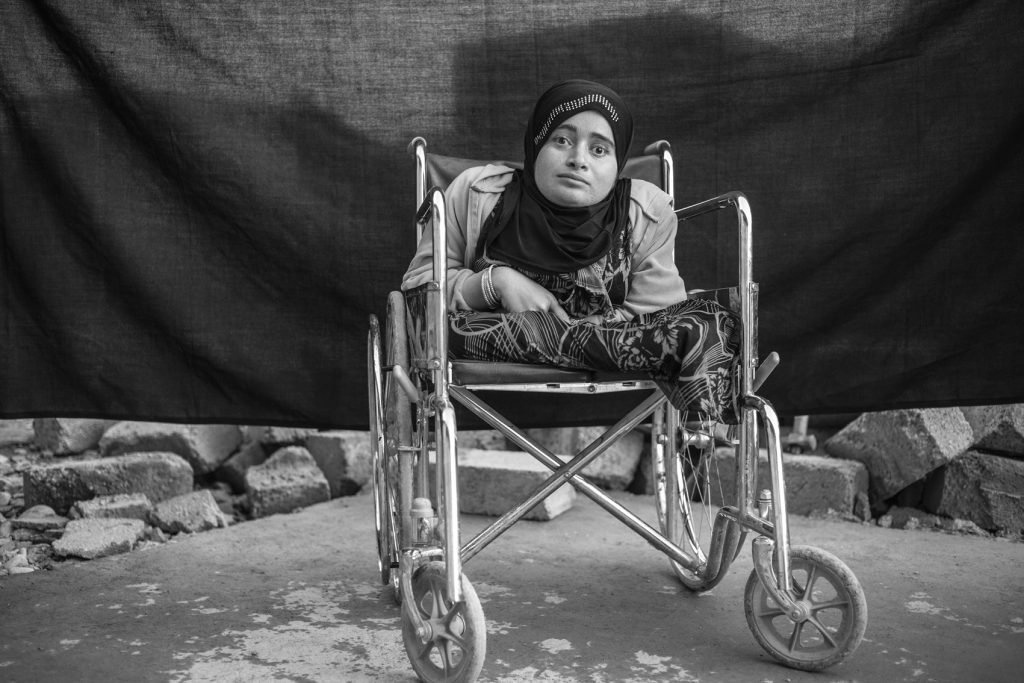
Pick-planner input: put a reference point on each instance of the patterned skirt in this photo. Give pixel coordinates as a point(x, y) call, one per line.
point(691, 349)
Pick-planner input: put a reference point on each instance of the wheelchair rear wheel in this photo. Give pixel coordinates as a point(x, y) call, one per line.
point(689, 494)
point(834, 612)
point(385, 501)
point(454, 648)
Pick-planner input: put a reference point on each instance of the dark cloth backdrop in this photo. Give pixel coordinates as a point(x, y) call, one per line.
point(202, 203)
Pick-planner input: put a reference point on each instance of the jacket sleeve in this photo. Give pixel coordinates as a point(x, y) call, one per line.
point(654, 281)
point(458, 196)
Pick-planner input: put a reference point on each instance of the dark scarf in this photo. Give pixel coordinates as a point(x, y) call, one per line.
point(530, 232)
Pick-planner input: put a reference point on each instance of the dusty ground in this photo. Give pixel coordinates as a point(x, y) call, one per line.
point(296, 598)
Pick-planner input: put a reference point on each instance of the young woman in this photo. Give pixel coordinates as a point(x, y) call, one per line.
point(566, 263)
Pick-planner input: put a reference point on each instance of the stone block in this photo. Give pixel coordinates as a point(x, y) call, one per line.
point(92, 538)
point(614, 469)
point(982, 488)
point(232, 471)
point(899, 447)
point(273, 439)
point(345, 459)
point(204, 447)
point(63, 436)
point(999, 429)
point(288, 480)
point(814, 484)
point(189, 513)
point(493, 482)
point(118, 506)
point(157, 475)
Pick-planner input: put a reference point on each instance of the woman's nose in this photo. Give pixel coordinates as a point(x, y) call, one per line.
point(577, 158)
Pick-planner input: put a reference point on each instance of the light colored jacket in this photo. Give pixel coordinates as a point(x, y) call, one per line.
point(654, 282)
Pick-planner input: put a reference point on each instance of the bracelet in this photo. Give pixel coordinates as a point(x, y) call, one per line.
point(487, 289)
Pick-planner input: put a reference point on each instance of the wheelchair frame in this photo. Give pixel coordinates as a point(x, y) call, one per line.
point(408, 531)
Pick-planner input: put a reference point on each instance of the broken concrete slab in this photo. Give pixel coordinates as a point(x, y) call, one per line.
point(63, 436)
point(118, 506)
point(983, 488)
point(613, 470)
point(204, 447)
point(92, 538)
point(999, 429)
point(60, 485)
point(345, 459)
point(899, 447)
point(493, 482)
point(189, 513)
point(815, 485)
point(287, 481)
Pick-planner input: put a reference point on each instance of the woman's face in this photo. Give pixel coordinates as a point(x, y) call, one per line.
point(577, 165)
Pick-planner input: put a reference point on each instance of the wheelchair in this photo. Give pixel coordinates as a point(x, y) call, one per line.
point(802, 604)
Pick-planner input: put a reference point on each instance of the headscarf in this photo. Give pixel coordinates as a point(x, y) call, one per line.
point(529, 231)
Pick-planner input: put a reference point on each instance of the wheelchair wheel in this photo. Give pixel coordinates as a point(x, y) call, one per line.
point(385, 503)
point(833, 602)
point(688, 497)
point(454, 649)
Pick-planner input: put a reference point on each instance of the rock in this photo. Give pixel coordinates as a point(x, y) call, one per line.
point(345, 459)
point(273, 439)
point(157, 475)
point(492, 482)
point(614, 469)
point(62, 436)
point(815, 485)
point(92, 538)
point(204, 447)
point(40, 518)
point(119, 506)
point(288, 480)
point(982, 488)
point(232, 471)
point(899, 447)
point(189, 513)
point(999, 429)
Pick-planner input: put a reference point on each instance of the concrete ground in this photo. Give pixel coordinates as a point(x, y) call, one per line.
point(581, 598)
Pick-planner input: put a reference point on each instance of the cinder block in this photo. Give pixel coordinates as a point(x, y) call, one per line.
point(899, 447)
point(98, 537)
point(814, 484)
point(985, 489)
point(493, 482)
point(288, 480)
point(204, 447)
point(614, 469)
point(997, 428)
point(189, 513)
point(345, 459)
point(157, 475)
point(63, 436)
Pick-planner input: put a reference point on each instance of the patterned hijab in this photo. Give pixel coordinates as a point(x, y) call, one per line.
point(530, 232)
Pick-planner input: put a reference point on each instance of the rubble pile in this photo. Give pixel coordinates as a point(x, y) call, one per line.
point(943, 468)
point(76, 489)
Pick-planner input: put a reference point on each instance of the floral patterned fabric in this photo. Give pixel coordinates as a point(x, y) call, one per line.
point(690, 348)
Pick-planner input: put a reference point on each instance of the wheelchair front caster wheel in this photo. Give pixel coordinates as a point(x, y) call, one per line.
point(834, 612)
point(454, 647)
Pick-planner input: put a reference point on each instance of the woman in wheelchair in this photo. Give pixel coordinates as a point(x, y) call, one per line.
point(566, 263)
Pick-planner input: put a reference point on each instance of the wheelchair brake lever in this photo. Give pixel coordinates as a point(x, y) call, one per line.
point(764, 369)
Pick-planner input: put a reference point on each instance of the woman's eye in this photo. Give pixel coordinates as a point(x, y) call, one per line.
point(600, 150)
point(561, 140)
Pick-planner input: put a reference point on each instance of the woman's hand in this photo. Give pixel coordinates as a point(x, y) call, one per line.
point(519, 293)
